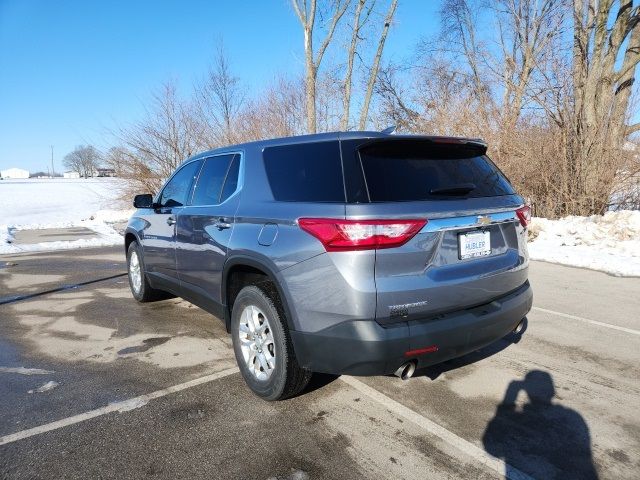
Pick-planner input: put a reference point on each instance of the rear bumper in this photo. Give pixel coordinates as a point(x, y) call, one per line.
point(363, 347)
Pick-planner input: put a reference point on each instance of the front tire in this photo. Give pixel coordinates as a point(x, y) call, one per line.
point(140, 288)
point(263, 348)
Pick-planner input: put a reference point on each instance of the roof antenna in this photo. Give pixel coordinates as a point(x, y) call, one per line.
point(390, 130)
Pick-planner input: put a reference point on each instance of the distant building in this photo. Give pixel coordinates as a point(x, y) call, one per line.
point(14, 173)
point(71, 175)
point(105, 172)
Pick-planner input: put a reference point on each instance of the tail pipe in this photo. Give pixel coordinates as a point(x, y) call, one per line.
point(521, 327)
point(406, 370)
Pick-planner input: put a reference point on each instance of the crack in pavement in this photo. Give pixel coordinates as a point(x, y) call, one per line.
point(62, 288)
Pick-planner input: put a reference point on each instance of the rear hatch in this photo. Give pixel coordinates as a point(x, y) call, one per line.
point(472, 249)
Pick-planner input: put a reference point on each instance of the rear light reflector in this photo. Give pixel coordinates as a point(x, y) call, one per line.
point(524, 214)
point(343, 235)
point(421, 351)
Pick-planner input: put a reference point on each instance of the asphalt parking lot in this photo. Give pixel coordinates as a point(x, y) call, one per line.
point(93, 385)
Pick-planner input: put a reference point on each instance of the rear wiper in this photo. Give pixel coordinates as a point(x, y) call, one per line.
point(457, 189)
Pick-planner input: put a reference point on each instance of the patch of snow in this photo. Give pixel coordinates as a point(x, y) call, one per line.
point(25, 371)
point(50, 385)
point(33, 204)
point(132, 404)
point(609, 243)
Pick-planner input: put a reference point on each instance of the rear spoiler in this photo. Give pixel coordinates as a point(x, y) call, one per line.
point(468, 146)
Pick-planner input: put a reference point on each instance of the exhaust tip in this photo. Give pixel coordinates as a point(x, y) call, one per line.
point(406, 371)
point(521, 327)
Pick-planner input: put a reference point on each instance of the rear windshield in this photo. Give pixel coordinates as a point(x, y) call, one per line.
point(309, 172)
point(411, 170)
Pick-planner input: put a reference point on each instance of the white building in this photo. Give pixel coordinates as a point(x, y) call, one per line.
point(71, 175)
point(14, 173)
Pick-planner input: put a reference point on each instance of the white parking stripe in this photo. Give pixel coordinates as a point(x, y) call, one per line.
point(482, 457)
point(123, 406)
point(594, 322)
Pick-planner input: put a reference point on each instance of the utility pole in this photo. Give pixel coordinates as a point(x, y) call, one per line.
point(53, 170)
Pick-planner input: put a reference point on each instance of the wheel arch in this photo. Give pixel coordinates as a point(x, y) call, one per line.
point(250, 265)
point(129, 238)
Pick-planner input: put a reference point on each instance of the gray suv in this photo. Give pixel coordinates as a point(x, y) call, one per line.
point(357, 253)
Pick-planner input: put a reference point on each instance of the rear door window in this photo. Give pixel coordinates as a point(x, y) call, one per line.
point(231, 182)
point(309, 172)
point(413, 170)
point(212, 177)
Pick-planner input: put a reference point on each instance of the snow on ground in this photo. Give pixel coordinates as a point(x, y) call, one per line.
point(94, 203)
point(609, 243)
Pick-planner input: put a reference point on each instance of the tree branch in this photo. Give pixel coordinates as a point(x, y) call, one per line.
point(334, 22)
point(631, 129)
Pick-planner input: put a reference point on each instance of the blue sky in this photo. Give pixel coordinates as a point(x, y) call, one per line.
point(71, 70)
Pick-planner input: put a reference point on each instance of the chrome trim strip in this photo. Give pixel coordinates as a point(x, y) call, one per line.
point(471, 221)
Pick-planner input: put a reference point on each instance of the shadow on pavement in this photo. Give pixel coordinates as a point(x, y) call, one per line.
point(541, 438)
point(318, 381)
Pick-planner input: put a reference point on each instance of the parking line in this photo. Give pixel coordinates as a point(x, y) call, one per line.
point(123, 406)
point(593, 322)
point(482, 457)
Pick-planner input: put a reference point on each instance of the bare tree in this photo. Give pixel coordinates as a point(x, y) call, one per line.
point(356, 28)
point(283, 103)
point(84, 159)
point(459, 36)
point(219, 99)
point(373, 73)
point(117, 159)
point(396, 107)
point(605, 57)
point(306, 10)
point(157, 144)
point(527, 29)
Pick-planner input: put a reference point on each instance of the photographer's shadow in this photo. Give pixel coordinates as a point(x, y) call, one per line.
point(541, 438)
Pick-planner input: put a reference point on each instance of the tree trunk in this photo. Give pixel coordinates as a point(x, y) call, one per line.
point(310, 81)
point(601, 97)
point(373, 74)
point(306, 14)
point(346, 96)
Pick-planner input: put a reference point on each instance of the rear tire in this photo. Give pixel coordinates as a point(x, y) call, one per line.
point(263, 347)
point(140, 288)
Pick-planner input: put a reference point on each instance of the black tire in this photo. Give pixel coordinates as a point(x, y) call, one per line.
point(287, 378)
point(145, 293)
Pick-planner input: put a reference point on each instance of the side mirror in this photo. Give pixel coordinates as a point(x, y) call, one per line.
point(143, 201)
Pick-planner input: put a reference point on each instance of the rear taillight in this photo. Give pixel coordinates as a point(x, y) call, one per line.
point(340, 235)
point(524, 214)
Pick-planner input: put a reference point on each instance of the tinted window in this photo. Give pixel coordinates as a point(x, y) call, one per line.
point(176, 192)
point(211, 179)
point(418, 170)
point(231, 182)
point(310, 172)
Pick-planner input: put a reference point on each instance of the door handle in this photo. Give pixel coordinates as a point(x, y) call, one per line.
point(222, 224)
point(171, 221)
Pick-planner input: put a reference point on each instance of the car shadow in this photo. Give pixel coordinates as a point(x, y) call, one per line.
point(318, 381)
point(539, 437)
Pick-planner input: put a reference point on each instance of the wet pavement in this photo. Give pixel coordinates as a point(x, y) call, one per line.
point(561, 402)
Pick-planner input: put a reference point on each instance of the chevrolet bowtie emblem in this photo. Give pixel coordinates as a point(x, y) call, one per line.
point(483, 220)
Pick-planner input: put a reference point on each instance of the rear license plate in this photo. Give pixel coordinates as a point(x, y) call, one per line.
point(474, 244)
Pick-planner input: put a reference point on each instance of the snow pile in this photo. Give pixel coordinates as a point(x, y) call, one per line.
point(50, 385)
point(609, 243)
point(35, 204)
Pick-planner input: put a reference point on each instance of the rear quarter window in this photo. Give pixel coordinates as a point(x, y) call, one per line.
point(417, 170)
point(309, 172)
